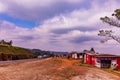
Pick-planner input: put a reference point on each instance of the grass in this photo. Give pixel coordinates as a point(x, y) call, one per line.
point(6, 49)
point(67, 73)
point(83, 64)
point(117, 72)
point(62, 68)
point(57, 61)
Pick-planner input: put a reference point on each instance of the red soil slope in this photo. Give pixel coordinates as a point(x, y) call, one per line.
point(52, 69)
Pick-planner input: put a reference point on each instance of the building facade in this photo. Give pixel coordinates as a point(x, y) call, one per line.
point(102, 60)
point(76, 55)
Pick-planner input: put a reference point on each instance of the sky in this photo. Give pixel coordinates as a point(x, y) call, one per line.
point(57, 25)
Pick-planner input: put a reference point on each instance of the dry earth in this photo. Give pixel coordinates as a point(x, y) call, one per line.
point(52, 69)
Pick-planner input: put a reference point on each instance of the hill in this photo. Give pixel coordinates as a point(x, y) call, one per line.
point(13, 52)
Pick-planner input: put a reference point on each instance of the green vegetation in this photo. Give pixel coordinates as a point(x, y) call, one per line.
point(83, 64)
point(8, 52)
point(117, 72)
point(57, 61)
point(6, 49)
point(67, 73)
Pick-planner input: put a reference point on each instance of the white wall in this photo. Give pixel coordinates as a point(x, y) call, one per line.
point(97, 63)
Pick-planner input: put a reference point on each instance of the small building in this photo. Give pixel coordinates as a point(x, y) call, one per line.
point(102, 60)
point(76, 55)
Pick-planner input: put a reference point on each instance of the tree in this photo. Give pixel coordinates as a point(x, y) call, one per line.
point(112, 21)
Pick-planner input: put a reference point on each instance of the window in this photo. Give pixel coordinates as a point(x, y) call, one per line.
point(98, 61)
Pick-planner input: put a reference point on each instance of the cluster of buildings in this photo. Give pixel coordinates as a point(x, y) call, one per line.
point(88, 57)
point(102, 60)
point(96, 59)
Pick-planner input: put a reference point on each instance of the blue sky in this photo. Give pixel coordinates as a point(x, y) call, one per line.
point(64, 25)
point(18, 22)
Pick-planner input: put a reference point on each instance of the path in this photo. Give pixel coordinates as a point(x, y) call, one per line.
point(52, 69)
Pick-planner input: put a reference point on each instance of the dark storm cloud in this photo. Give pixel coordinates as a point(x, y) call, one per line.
point(40, 13)
point(26, 38)
point(84, 39)
point(63, 31)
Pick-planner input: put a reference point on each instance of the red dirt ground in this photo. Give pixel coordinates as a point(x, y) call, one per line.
point(52, 69)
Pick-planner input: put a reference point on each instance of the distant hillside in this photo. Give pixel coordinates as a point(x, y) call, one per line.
point(13, 50)
point(40, 52)
point(13, 53)
point(51, 53)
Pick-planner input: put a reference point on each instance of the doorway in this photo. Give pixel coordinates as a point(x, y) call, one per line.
point(105, 63)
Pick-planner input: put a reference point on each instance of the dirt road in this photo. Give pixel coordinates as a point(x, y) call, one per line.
point(52, 69)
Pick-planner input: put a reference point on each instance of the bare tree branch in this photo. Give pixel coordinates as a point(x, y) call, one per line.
point(111, 21)
point(108, 35)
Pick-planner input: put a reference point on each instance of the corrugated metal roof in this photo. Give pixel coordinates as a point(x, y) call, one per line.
point(103, 55)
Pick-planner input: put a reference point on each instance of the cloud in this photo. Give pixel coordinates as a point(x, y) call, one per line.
point(10, 31)
point(45, 9)
point(75, 29)
point(38, 10)
point(2, 7)
point(84, 39)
